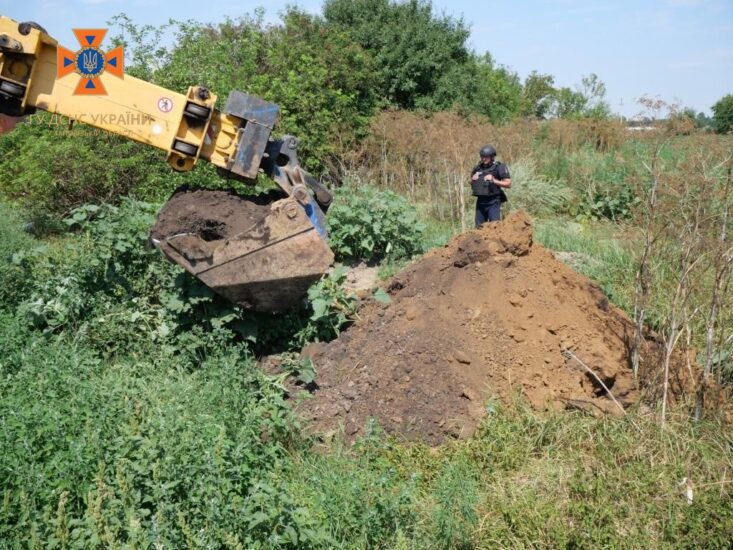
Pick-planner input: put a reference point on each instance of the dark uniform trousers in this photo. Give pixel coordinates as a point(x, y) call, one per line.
point(488, 209)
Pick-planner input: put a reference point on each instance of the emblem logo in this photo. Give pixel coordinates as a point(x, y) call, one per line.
point(90, 62)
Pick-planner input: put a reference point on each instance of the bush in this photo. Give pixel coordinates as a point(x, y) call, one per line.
point(602, 182)
point(535, 193)
point(369, 224)
point(723, 114)
point(55, 168)
point(117, 294)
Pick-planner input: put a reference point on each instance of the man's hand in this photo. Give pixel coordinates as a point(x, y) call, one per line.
point(488, 177)
point(474, 177)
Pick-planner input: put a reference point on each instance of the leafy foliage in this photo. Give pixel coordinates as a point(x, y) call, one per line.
point(412, 48)
point(15, 242)
point(723, 114)
point(329, 75)
point(587, 100)
point(132, 412)
point(322, 81)
point(142, 453)
point(611, 202)
point(478, 86)
point(54, 166)
point(331, 308)
point(537, 94)
point(370, 225)
point(111, 289)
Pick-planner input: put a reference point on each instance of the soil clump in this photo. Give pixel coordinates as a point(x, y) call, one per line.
point(211, 214)
point(490, 316)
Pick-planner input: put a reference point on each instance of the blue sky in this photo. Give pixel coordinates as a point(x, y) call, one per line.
point(679, 50)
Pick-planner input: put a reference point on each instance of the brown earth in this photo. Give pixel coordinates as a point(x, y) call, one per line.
point(489, 316)
point(210, 214)
point(361, 279)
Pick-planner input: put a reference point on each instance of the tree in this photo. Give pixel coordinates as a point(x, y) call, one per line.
point(567, 103)
point(704, 121)
point(412, 47)
point(478, 86)
point(537, 94)
point(324, 83)
point(495, 91)
point(723, 114)
point(587, 101)
point(593, 91)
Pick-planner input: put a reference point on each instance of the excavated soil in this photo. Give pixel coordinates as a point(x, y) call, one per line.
point(488, 317)
point(210, 214)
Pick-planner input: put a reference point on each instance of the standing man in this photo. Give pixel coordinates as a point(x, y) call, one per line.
point(489, 178)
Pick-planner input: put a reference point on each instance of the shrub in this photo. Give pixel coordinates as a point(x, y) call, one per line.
point(117, 294)
point(368, 224)
point(55, 168)
point(535, 193)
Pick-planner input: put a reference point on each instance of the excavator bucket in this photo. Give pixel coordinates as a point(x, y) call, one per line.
point(258, 254)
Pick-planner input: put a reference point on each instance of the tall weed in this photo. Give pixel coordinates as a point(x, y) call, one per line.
point(536, 194)
point(111, 452)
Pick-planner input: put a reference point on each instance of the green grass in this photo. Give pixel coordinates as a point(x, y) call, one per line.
point(436, 233)
point(144, 453)
point(526, 481)
point(121, 452)
point(183, 442)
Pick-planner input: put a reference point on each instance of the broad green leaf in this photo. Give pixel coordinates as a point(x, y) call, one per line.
point(381, 296)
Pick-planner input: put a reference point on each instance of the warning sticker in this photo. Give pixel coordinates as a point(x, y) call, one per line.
point(165, 105)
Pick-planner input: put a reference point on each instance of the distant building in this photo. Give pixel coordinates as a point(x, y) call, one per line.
point(643, 124)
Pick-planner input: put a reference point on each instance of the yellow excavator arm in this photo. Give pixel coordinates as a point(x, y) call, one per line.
point(268, 266)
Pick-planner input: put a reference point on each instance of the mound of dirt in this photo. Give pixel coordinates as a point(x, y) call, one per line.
point(488, 316)
point(210, 214)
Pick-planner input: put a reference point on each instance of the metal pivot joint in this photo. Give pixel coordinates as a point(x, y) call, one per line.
point(257, 151)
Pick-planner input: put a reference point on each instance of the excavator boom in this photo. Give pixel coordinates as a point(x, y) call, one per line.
point(267, 267)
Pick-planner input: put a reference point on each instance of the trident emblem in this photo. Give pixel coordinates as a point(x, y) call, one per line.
point(90, 61)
